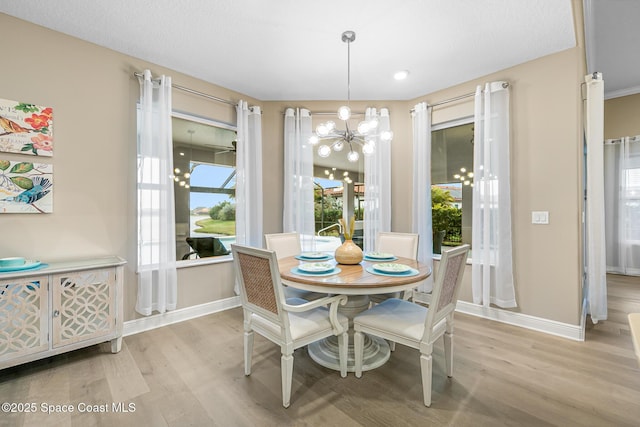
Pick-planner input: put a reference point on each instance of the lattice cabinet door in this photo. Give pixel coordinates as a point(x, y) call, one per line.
point(23, 321)
point(84, 305)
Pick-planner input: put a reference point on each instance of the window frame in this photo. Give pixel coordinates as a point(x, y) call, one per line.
point(209, 122)
point(447, 125)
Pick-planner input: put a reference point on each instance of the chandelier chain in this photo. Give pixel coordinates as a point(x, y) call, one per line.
point(349, 73)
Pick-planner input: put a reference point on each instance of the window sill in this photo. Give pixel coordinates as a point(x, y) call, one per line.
point(203, 261)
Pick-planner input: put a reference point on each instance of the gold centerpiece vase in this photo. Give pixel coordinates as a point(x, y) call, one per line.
point(348, 252)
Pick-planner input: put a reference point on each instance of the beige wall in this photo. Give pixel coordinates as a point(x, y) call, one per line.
point(621, 116)
point(93, 95)
point(545, 169)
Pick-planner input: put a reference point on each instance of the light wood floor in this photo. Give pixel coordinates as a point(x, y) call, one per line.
point(191, 374)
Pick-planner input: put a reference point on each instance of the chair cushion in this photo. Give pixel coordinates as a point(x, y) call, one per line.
point(302, 324)
point(397, 316)
point(309, 322)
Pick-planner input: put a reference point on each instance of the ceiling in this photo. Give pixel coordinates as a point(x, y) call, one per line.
point(292, 49)
point(612, 34)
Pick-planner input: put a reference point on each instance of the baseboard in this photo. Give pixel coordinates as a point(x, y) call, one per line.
point(552, 327)
point(157, 321)
point(583, 316)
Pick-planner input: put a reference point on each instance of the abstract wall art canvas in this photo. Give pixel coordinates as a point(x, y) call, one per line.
point(26, 187)
point(26, 128)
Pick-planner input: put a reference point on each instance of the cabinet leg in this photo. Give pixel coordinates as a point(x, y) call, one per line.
point(116, 345)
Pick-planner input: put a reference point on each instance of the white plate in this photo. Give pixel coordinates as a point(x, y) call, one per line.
point(379, 255)
point(313, 255)
point(391, 267)
point(316, 267)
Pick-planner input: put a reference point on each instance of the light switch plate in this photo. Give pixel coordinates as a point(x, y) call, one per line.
point(540, 217)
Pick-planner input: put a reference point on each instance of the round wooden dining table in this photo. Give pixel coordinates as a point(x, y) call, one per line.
point(357, 282)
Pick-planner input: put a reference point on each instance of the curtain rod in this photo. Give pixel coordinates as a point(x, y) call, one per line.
point(457, 98)
point(446, 101)
point(195, 92)
point(327, 113)
point(330, 113)
point(619, 140)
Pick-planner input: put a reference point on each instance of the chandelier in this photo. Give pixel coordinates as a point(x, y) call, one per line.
point(363, 137)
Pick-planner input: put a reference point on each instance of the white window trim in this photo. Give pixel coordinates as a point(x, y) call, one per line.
point(203, 261)
point(453, 123)
point(203, 120)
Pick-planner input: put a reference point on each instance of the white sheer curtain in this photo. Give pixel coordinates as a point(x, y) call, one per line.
point(622, 204)
point(298, 209)
point(157, 278)
point(492, 278)
point(249, 176)
point(377, 183)
point(595, 243)
point(422, 187)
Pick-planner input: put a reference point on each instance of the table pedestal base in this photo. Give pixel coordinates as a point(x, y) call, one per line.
point(376, 350)
point(325, 353)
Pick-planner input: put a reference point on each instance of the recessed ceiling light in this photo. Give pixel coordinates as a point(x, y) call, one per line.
point(401, 75)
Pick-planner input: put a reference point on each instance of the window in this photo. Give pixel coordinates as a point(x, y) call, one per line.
point(452, 182)
point(204, 161)
point(338, 186)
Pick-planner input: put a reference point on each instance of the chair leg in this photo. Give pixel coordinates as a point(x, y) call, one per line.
point(248, 351)
point(286, 366)
point(358, 347)
point(343, 348)
point(426, 368)
point(448, 352)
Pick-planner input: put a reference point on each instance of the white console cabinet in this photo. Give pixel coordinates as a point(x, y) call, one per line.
point(59, 307)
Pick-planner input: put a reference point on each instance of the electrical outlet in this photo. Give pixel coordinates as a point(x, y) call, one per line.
point(540, 217)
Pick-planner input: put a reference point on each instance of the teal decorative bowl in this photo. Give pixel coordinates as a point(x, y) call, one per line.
point(12, 262)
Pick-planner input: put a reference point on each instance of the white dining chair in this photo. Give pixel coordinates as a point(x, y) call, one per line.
point(267, 312)
point(286, 245)
point(403, 245)
point(408, 323)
